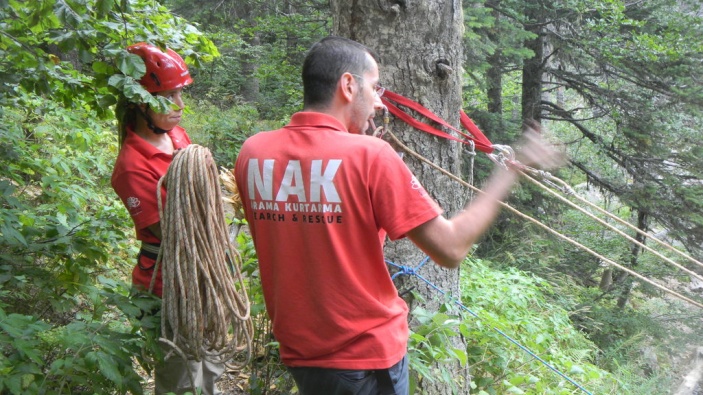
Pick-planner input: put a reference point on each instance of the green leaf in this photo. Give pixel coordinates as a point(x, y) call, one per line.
point(594, 374)
point(101, 68)
point(62, 219)
point(14, 383)
point(517, 380)
point(30, 350)
point(131, 65)
point(108, 367)
point(103, 7)
point(67, 15)
point(10, 233)
point(461, 355)
point(136, 93)
point(117, 81)
point(515, 390)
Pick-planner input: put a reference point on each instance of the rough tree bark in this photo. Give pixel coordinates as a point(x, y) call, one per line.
point(420, 52)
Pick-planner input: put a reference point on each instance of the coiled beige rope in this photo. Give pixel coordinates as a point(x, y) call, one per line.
point(205, 308)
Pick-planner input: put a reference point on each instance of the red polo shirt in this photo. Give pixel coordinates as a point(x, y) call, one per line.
point(317, 199)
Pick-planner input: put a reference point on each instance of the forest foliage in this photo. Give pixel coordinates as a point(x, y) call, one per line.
point(620, 94)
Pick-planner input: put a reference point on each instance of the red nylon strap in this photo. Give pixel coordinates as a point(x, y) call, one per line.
point(482, 142)
point(390, 99)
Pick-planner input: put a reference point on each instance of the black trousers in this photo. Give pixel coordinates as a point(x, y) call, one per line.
point(320, 381)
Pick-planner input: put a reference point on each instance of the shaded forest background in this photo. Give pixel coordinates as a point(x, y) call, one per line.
point(615, 83)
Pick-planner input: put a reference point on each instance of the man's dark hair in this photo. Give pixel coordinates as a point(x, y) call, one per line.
point(325, 63)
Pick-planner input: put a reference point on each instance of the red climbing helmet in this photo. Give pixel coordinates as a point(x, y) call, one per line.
point(164, 70)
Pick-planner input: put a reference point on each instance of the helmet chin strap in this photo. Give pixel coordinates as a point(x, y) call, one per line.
point(150, 122)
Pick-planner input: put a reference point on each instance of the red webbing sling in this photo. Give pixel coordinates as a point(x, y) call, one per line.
point(391, 100)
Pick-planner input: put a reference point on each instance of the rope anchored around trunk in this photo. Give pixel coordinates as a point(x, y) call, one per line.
point(205, 308)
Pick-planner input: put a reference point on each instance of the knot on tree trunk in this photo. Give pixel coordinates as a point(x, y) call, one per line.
point(437, 64)
point(444, 70)
point(393, 6)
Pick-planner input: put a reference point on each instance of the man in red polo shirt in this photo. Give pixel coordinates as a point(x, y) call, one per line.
point(319, 195)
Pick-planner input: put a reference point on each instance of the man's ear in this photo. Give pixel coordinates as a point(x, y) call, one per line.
point(346, 86)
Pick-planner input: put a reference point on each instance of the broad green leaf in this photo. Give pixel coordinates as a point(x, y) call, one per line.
point(131, 65)
point(103, 7)
point(101, 67)
point(67, 15)
point(117, 81)
point(108, 367)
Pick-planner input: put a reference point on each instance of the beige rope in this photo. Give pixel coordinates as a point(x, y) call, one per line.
point(205, 308)
point(543, 226)
point(567, 190)
point(614, 229)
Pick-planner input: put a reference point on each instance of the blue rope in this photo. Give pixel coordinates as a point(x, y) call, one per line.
point(407, 270)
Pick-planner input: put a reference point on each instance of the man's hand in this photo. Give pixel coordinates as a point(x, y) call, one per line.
point(535, 151)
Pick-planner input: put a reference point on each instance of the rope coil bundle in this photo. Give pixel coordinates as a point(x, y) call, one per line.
point(205, 308)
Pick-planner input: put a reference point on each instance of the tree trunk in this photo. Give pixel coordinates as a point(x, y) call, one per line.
point(606, 280)
point(634, 254)
point(533, 69)
point(420, 57)
point(494, 74)
point(249, 65)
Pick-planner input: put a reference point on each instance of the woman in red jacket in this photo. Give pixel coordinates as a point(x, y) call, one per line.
point(148, 140)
